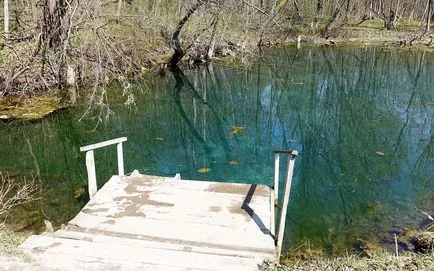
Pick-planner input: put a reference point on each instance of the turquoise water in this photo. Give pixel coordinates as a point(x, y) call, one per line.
point(362, 120)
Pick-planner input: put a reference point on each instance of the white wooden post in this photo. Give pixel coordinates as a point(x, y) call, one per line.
point(90, 161)
point(120, 160)
point(275, 195)
point(91, 174)
point(288, 182)
point(276, 177)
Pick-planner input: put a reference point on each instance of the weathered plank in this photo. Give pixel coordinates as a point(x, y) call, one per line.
point(169, 209)
point(98, 256)
point(165, 224)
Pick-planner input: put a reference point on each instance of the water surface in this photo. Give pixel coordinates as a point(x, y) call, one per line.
point(362, 120)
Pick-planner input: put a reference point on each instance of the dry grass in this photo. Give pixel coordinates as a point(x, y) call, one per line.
point(9, 243)
point(12, 194)
point(383, 261)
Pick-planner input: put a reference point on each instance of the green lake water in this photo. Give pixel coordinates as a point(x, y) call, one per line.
point(362, 120)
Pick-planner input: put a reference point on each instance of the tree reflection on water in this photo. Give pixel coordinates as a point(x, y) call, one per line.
point(362, 120)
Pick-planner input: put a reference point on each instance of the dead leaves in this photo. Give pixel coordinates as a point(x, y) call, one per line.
point(78, 192)
point(204, 170)
point(379, 153)
point(237, 130)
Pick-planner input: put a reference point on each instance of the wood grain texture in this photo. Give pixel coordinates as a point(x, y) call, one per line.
point(158, 223)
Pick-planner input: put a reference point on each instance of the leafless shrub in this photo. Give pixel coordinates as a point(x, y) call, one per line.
point(13, 194)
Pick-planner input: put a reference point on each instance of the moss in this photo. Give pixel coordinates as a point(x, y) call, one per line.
point(19, 107)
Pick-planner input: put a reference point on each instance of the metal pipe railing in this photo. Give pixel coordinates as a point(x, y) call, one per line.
point(287, 190)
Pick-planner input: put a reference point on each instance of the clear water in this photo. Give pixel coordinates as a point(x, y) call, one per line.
point(362, 119)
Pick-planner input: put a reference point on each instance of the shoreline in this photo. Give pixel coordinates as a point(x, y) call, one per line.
point(314, 42)
point(236, 57)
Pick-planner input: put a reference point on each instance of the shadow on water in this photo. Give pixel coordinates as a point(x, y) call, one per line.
point(362, 119)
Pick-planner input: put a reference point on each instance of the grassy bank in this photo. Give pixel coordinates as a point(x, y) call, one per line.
point(9, 242)
point(413, 250)
point(380, 262)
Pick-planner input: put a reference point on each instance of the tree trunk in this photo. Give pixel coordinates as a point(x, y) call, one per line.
point(55, 26)
point(54, 12)
point(329, 23)
point(347, 11)
point(319, 8)
point(429, 16)
point(118, 12)
point(410, 17)
point(6, 18)
point(389, 21)
point(211, 45)
point(176, 43)
point(297, 11)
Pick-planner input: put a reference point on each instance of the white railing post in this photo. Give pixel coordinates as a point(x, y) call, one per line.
point(120, 160)
point(91, 174)
point(90, 161)
point(275, 194)
point(276, 177)
point(288, 182)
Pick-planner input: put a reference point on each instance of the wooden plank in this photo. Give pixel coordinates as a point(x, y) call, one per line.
point(168, 209)
point(244, 222)
point(103, 144)
point(249, 235)
point(211, 212)
point(158, 223)
point(115, 254)
point(117, 199)
point(109, 200)
point(138, 241)
point(206, 186)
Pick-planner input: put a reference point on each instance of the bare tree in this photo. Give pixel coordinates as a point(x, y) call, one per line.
point(12, 194)
point(177, 47)
point(429, 16)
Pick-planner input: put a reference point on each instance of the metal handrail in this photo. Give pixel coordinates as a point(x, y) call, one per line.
point(90, 161)
point(288, 181)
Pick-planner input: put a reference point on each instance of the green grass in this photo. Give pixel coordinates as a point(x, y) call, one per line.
point(372, 24)
point(9, 243)
point(383, 261)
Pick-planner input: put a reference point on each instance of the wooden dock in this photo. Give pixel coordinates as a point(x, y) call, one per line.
point(142, 222)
